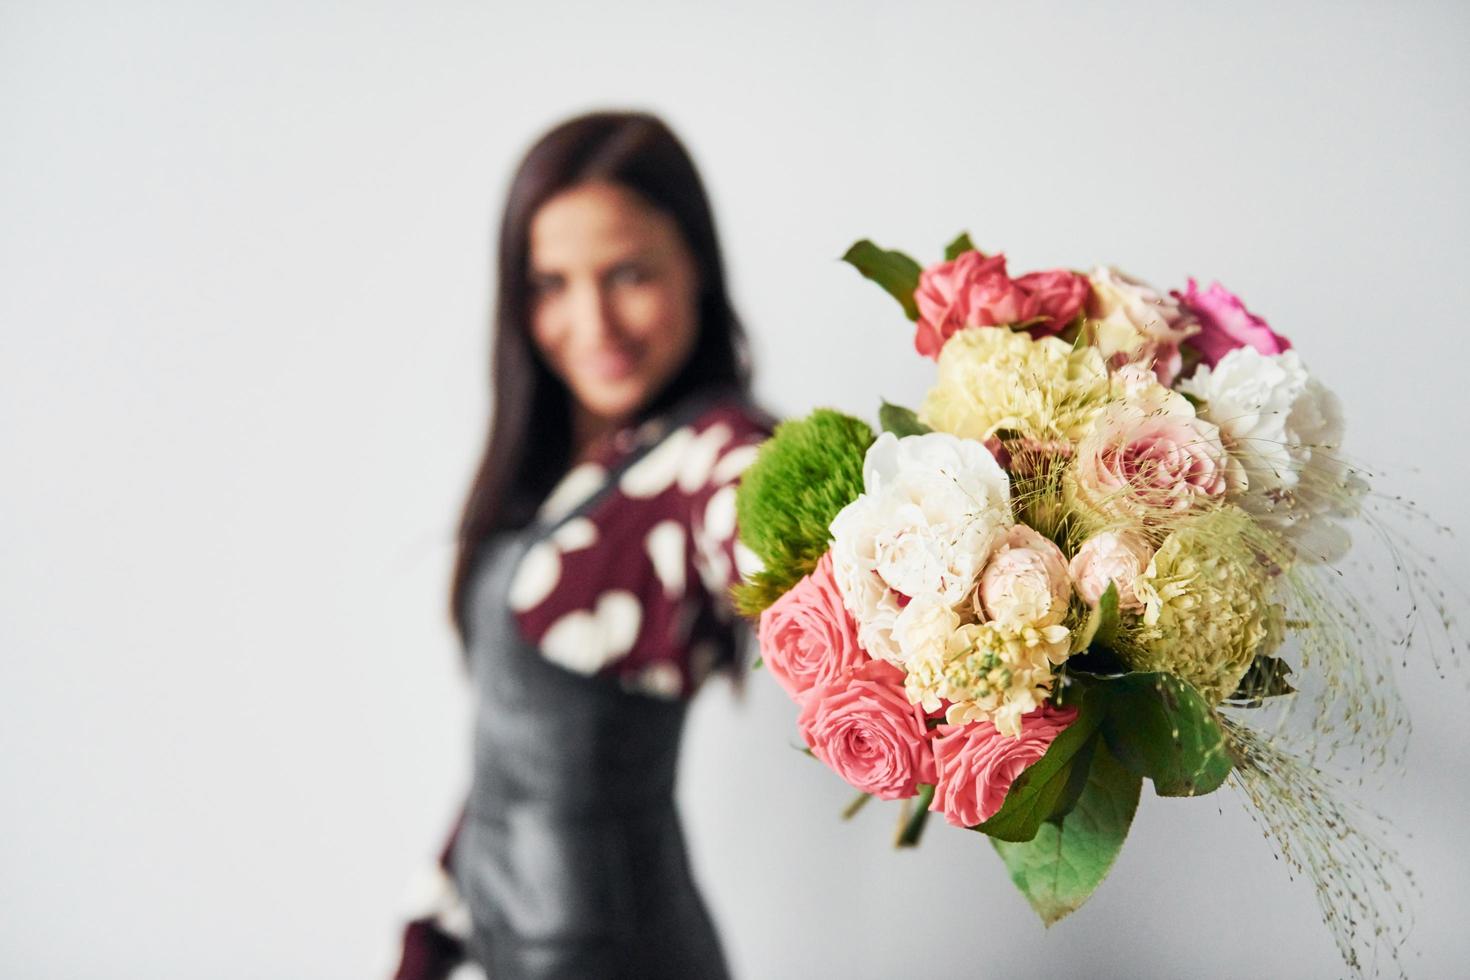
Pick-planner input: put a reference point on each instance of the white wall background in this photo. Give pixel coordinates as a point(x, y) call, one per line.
point(244, 252)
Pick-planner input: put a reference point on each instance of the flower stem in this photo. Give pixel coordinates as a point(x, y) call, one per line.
point(856, 805)
point(912, 826)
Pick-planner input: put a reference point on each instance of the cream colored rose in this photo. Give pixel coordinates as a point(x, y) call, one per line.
point(1025, 583)
point(1116, 557)
point(1134, 323)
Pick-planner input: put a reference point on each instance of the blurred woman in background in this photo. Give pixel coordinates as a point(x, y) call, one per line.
point(596, 549)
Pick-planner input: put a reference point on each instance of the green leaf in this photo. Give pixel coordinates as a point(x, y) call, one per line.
point(1076, 780)
point(1062, 866)
point(1267, 678)
point(1101, 627)
point(1159, 727)
point(959, 247)
point(894, 271)
point(1042, 789)
point(901, 421)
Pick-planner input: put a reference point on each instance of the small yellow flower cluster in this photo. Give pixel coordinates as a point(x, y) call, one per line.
point(994, 378)
point(1206, 613)
point(989, 673)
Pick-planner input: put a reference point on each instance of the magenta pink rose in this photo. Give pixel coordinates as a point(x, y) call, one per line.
point(864, 728)
point(973, 290)
point(807, 637)
point(1226, 324)
point(977, 764)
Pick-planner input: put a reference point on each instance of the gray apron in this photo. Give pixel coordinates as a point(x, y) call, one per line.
point(571, 858)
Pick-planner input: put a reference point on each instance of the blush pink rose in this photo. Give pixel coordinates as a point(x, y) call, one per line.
point(1025, 581)
point(976, 764)
point(973, 290)
point(1114, 558)
point(1226, 324)
point(864, 728)
point(1133, 463)
point(807, 637)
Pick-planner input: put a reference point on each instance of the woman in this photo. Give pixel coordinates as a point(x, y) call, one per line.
point(595, 554)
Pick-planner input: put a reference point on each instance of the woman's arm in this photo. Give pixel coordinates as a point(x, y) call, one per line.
point(433, 938)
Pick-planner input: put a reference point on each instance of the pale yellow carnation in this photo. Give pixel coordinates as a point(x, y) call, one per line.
point(1205, 608)
point(993, 378)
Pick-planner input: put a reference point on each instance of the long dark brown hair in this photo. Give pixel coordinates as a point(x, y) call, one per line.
point(639, 152)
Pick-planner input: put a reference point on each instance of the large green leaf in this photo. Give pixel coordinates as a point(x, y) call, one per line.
point(1063, 864)
point(1158, 726)
point(958, 247)
point(894, 271)
point(901, 421)
point(1041, 790)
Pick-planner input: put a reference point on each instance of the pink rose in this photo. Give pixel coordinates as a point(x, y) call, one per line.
point(1025, 582)
point(807, 637)
point(1060, 295)
point(977, 764)
point(1226, 324)
point(973, 290)
point(1135, 462)
point(864, 728)
point(1116, 557)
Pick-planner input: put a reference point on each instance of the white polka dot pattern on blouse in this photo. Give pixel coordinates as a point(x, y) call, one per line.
point(581, 482)
point(719, 516)
point(665, 547)
point(586, 642)
point(575, 534)
point(700, 458)
point(656, 471)
point(747, 562)
point(733, 463)
point(536, 577)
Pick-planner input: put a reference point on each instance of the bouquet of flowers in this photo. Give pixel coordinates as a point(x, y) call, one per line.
point(1102, 550)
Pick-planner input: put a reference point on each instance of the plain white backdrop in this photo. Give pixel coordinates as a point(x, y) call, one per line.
point(244, 292)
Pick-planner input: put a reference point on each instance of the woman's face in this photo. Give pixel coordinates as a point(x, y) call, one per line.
point(614, 297)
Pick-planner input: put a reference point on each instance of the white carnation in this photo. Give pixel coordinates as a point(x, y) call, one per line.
point(932, 509)
point(1285, 427)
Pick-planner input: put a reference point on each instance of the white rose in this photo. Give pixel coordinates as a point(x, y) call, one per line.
point(932, 508)
point(1116, 557)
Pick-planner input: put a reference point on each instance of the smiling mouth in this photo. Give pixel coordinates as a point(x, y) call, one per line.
point(611, 365)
